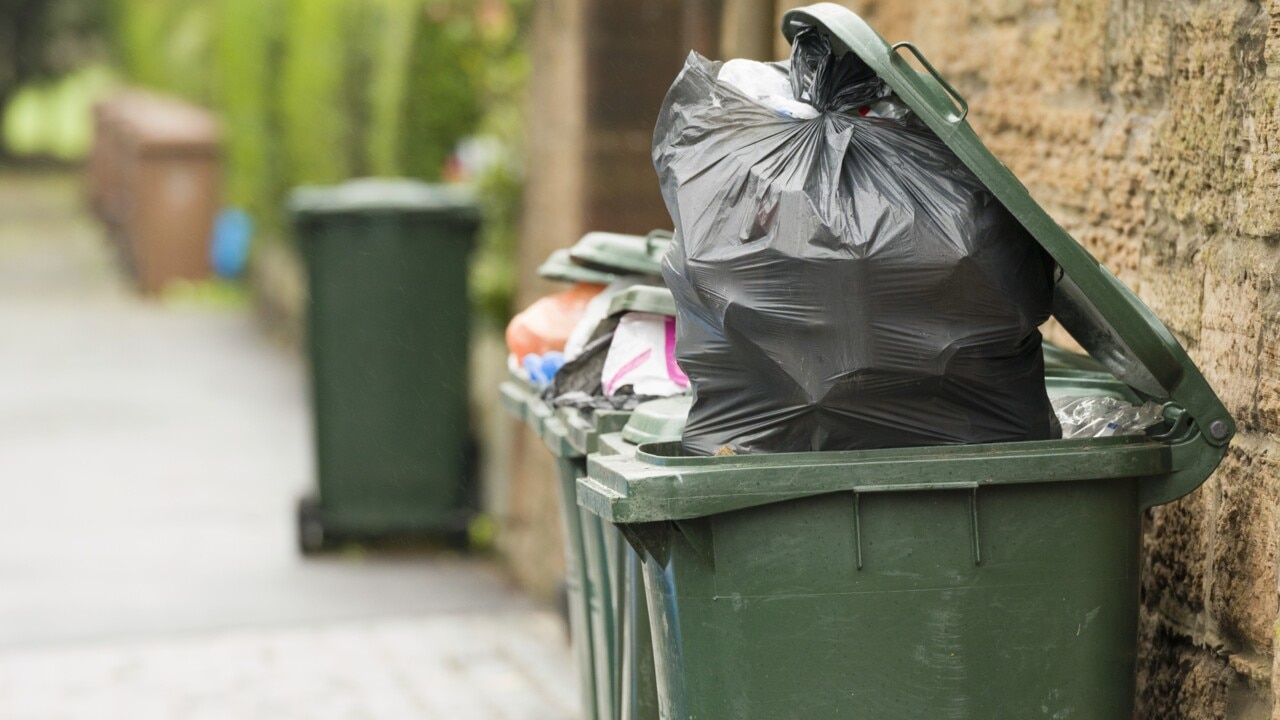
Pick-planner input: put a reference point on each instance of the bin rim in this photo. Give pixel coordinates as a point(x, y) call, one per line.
point(585, 427)
point(383, 195)
point(658, 483)
point(1099, 311)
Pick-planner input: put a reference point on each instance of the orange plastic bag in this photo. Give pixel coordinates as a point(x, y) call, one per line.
point(546, 324)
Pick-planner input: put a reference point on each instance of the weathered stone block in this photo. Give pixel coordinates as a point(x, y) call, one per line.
point(1258, 211)
point(1244, 596)
point(1269, 376)
point(1196, 154)
point(1231, 330)
point(1177, 680)
point(1176, 544)
point(1173, 281)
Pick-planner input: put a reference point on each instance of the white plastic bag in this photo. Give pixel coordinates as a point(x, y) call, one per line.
point(643, 355)
point(768, 85)
point(596, 311)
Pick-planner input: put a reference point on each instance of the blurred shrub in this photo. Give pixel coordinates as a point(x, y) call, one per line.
point(392, 30)
point(166, 44)
point(317, 91)
point(244, 87)
point(52, 119)
point(443, 104)
point(504, 72)
point(44, 40)
point(51, 53)
point(313, 115)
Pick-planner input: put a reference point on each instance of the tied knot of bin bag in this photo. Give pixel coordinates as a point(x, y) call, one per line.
point(842, 282)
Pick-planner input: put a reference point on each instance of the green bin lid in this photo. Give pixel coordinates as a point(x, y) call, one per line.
point(558, 266)
point(1103, 315)
point(622, 254)
point(1060, 359)
point(376, 195)
point(645, 299)
point(658, 420)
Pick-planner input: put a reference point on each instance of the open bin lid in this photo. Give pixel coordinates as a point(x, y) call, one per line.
point(1103, 315)
point(558, 266)
point(384, 195)
point(622, 254)
point(1058, 359)
point(644, 299)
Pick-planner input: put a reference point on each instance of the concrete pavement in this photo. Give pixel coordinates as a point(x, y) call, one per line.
point(150, 456)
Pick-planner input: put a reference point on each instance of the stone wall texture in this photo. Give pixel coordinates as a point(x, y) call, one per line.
point(1150, 129)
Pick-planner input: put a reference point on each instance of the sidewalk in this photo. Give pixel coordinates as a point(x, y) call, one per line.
point(150, 457)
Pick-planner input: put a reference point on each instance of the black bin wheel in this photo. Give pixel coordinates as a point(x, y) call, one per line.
point(313, 537)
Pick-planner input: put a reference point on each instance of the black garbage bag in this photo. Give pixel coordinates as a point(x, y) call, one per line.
point(843, 282)
point(578, 383)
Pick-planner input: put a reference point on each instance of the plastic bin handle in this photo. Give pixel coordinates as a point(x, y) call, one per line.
point(955, 95)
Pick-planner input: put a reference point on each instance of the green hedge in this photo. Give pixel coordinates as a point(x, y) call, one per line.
point(244, 90)
point(317, 91)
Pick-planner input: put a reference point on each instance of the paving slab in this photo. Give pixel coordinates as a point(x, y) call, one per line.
point(465, 667)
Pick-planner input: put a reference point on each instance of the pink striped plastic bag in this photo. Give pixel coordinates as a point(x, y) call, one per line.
point(643, 356)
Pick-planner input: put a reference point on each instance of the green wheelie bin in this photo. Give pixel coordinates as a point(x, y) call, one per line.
point(572, 435)
point(968, 582)
point(653, 421)
point(598, 258)
point(661, 421)
point(387, 327)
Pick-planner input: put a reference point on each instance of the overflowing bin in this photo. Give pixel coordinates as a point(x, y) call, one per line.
point(962, 581)
point(387, 329)
point(592, 549)
point(572, 435)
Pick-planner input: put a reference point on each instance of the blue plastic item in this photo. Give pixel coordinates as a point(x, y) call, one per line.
point(229, 247)
point(542, 368)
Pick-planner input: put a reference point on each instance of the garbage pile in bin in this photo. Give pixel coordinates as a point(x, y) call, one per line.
point(843, 280)
point(584, 346)
point(583, 363)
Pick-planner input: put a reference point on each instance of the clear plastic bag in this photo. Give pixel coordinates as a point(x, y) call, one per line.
point(1085, 417)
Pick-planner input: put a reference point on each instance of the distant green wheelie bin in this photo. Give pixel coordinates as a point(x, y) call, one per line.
point(966, 582)
point(637, 686)
point(387, 328)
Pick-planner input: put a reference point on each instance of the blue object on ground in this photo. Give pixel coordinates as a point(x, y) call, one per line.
point(229, 248)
